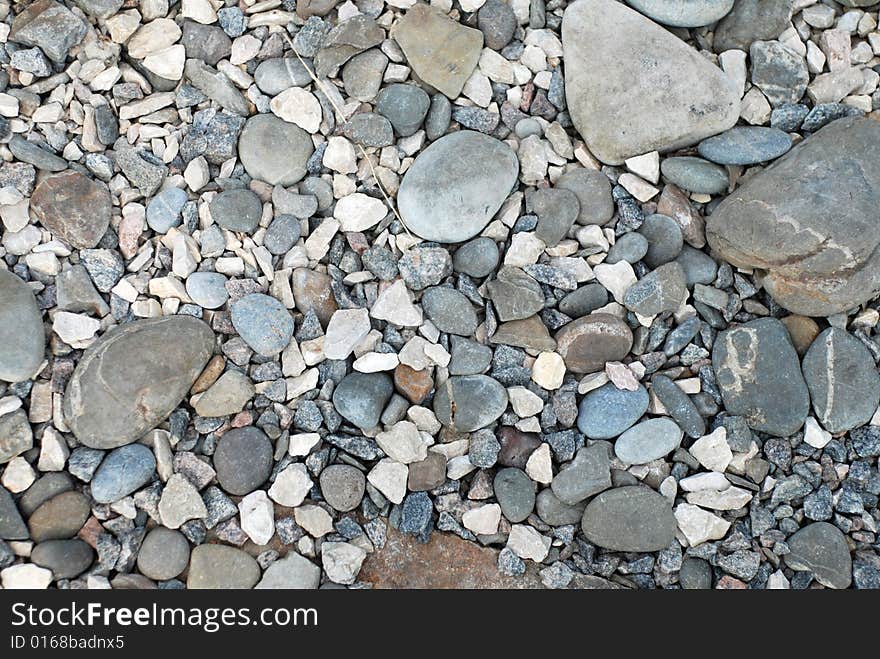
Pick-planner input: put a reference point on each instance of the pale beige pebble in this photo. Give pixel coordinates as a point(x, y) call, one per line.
point(815, 435)
point(645, 166)
point(302, 444)
point(318, 243)
point(531, 424)
point(482, 520)
point(637, 187)
point(165, 287)
point(376, 362)
point(389, 477)
point(617, 278)
point(316, 521)
point(863, 103)
point(76, 330)
point(359, 212)
point(298, 106)
point(525, 248)
point(244, 49)
point(534, 58)
point(524, 402)
point(413, 354)
point(548, 371)
point(437, 354)
point(167, 63)
point(43, 263)
point(302, 384)
point(792, 40)
point(347, 327)
point(291, 486)
point(342, 561)
point(180, 502)
point(185, 256)
point(710, 480)
point(712, 450)
point(404, 443)
point(778, 581)
point(125, 290)
point(559, 140)
point(153, 37)
point(201, 11)
point(755, 108)
point(368, 343)
point(395, 305)
point(577, 267)
point(478, 89)
point(620, 375)
point(836, 44)
point(197, 173)
point(526, 542)
point(816, 58)
point(730, 498)
point(49, 113)
point(15, 216)
point(496, 67)
point(533, 160)
point(18, 475)
point(471, 5)
point(340, 155)
point(396, 73)
point(690, 385)
point(539, 466)
point(733, 63)
point(458, 467)
point(424, 418)
point(698, 525)
point(9, 404)
point(146, 308)
point(25, 576)
point(862, 53)
point(592, 381)
point(121, 26)
point(148, 105)
point(313, 351)
point(592, 237)
point(544, 39)
point(257, 517)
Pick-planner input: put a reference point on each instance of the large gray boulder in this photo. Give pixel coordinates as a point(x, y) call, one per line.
point(811, 221)
point(633, 87)
point(121, 388)
point(759, 376)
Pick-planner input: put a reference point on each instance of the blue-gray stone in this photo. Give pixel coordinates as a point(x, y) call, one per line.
point(263, 323)
point(648, 441)
point(405, 106)
point(633, 518)
point(282, 234)
point(822, 549)
point(630, 247)
point(22, 340)
point(361, 397)
point(587, 475)
point(122, 472)
point(478, 257)
point(207, 289)
point(665, 239)
point(683, 13)
point(237, 210)
point(416, 515)
point(469, 402)
point(163, 211)
point(449, 310)
point(746, 145)
point(65, 558)
point(699, 267)
point(12, 526)
point(679, 406)
point(608, 411)
point(243, 460)
point(842, 379)
point(695, 174)
point(515, 492)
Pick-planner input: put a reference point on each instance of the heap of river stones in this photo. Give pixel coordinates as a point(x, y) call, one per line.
point(286, 285)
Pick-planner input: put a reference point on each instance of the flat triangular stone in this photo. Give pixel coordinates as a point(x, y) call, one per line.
point(632, 87)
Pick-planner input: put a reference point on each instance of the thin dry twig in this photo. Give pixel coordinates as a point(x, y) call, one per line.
point(320, 85)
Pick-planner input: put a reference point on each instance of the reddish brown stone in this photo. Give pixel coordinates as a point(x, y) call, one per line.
point(803, 331)
point(209, 376)
point(587, 343)
point(311, 291)
point(415, 385)
point(73, 207)
point(675, 204)
point(428, 473)
point(90, 531)
point(516, 446)
point(729, 583)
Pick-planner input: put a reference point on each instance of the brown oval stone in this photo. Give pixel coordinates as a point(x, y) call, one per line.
point(311, 291)
point(209, 375)
point(803, 331)
point(587, 343)
point(516, 446)
point(415, 385)
point(60, 517)
point(73, 207)
point(428, 473)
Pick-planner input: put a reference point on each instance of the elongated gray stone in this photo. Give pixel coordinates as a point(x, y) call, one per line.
point(632, 518)
point(611, 50)
point(123, 471)
point(647, 441)
point(456, 185)
point(810, 220)
point(683, 13)
point(842, 379)
point(757, 370)
point(130, 380)
point(22, 341)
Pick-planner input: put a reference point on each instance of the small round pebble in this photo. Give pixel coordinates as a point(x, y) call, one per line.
point(164, 554)
point(665, 239)
point(243, 460)
point(405, 106)
point(263, 323)
point(237, 210)
point(477, 258)
point(207, 289)
point(342, 486)
point(282, 234)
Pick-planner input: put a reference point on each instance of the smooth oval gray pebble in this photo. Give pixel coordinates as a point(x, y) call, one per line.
point(342, 486)
point(164, 554)
point(469, 402)
point(123, 471)
point(163, 210)
point(821, 548)
point(263, 323)
point(478, 257)
point(683, 13)
point(243, 460)
point(361, 397)
point(648, 441)
point(66, 558)
point(695, 174)
point(237, 210)
point(608, 411)
point(633, 518)
point(273, 150)
point(220, 567)
point(449, 310)
point(207, 289)
point(22, 341)
point(405, 106)
point(515, 492)
point(746, 145)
